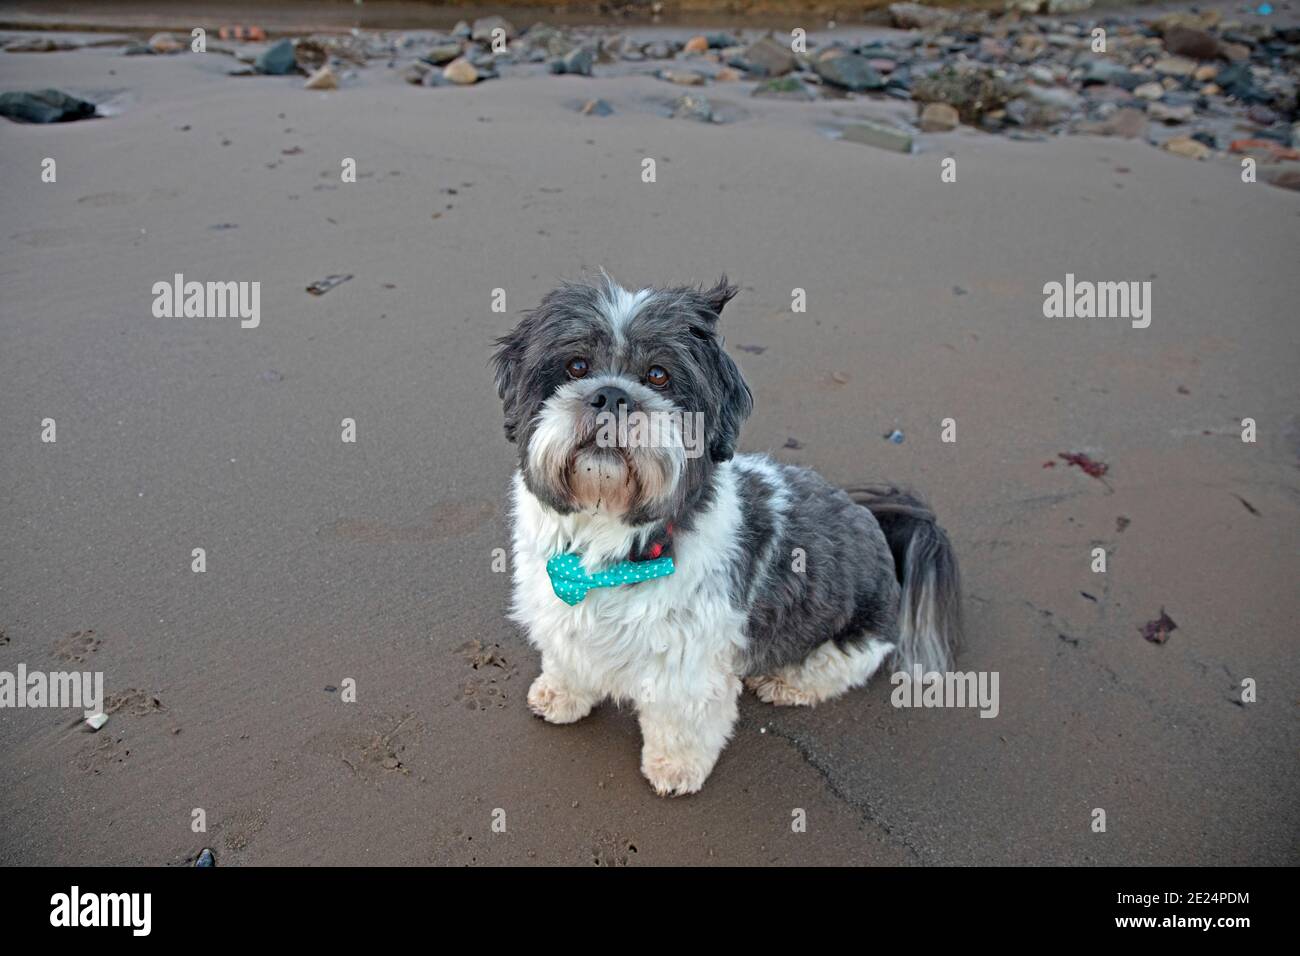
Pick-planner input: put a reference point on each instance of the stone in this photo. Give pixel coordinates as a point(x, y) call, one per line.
point(1126, 123)
point(915, 16)
point(461, 72)
point(1205, 73)
point(766, 58)
point(728, 75)
point(784, 88)
point(938, 118)
point(683, 77)
point(481, 32)
point(1175, 66)
point(442, 53)
point(1101, 72)
point(1234, 52)
point(462, 30)
point(1197, 44)
point(165, 43)
point(848, 71)
point(45, 45)
point(972, 93)
point(322, 79)
point(577, 62)
point(879, 135)
point(277, 60)
point(1186, 146)
point(596, 108)
point(44, 106)
point(1164, 113)
point(1149, 91)
point(697, 44)
point(1283, 175)
point(693, 107)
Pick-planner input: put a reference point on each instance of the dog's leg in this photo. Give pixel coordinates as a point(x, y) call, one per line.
point(825, 674)
point(682, 738)
point(558, 698)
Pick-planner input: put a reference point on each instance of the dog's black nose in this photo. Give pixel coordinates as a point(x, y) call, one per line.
point(609, 398)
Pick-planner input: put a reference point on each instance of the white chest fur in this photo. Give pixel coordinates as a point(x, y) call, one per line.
point(674, 639)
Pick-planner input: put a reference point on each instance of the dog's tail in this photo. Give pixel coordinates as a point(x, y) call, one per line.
point(929, 619)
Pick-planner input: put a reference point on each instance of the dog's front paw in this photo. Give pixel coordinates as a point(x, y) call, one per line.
point(775, 690)
point(672, 776)
point(552, 701)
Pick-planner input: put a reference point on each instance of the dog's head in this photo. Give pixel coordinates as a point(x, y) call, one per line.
point(621, 402)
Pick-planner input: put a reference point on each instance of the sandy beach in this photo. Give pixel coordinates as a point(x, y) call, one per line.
point(373, 561)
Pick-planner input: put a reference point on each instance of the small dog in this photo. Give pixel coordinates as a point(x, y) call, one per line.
point(670, 572)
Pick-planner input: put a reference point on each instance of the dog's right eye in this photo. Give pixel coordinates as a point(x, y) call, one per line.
point(577, 367)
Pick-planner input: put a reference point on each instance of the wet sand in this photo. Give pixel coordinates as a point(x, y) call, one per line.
point(373, 561)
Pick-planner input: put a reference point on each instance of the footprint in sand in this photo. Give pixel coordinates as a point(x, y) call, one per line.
point(612, 850)
point(486, 688)
point(77, 647)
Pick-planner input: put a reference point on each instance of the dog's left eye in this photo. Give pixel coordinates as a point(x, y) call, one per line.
point(577, 367)
point(657, 377)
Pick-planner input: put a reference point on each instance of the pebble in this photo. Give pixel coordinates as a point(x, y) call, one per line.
point(322, 79)
point(461, 72)
point(879, 135)
point(938, 118)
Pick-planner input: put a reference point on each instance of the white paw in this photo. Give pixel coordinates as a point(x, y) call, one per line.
point(774, 690)
point(552, 701)
point(671, 776)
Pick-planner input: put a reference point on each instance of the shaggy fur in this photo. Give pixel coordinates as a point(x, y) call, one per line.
point(783, 582)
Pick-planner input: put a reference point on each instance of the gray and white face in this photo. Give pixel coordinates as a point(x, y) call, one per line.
point(592, 357)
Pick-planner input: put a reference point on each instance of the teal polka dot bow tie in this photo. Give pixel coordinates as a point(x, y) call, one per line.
point(571, 582)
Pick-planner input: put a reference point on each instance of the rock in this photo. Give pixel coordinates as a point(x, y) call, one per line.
point(165, 43)
point(481, 32)
point(310, 55)
point(1125, 123)
point(973, 93)
point(938, 118)
point(848, 71)
point(577, 62)
point(693, 107)
point(42, 45)
point(1197, 44)
point(1186, 146)
point(1175, 66)
point(1101, 72)
point(879, 135)
point(697, 44)
point(596, 108)
point(727, 75)
point(278, 60)
point(915, 16)
point(721, 41)
point(659, 50)
point(44, 106)
point(461, 72)
point(1057, 98)
point(1284, 175)
point(462, 31)
point(1149, 91)
point(784, 88)
point(322, 79)
point(1261, 115)
point(1234, 52)
point(766, 58)
point(442, 53)
point(1065, 7)
point(1164, 113)
point(1205, 73)
point(414, 74)
point(683, 77)
point(1238, 81)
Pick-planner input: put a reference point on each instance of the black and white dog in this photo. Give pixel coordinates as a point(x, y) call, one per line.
point(655, 566)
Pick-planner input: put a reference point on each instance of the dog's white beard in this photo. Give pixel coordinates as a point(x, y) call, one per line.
point(602, 480)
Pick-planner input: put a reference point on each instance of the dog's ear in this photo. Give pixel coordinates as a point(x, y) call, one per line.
point(722, 293)
point(507, 361)
point(737, 401)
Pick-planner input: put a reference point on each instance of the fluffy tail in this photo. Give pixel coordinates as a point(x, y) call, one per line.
point(929, 620)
